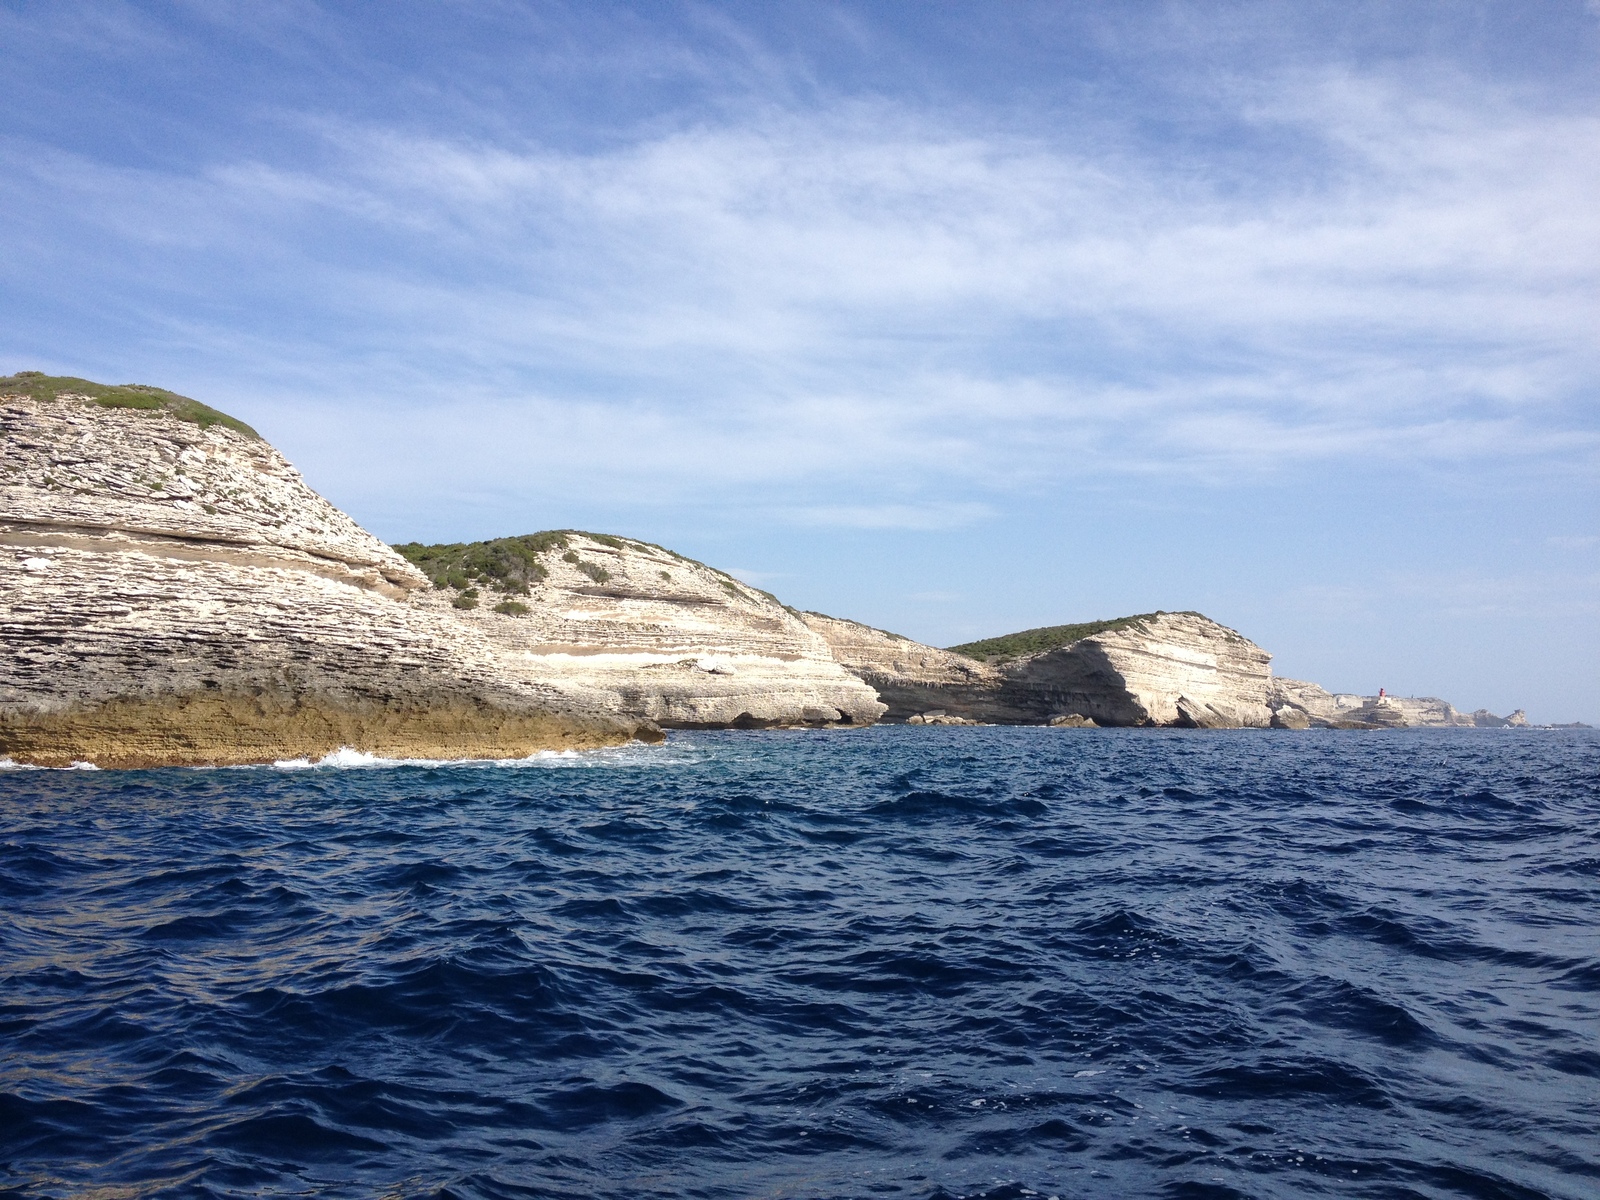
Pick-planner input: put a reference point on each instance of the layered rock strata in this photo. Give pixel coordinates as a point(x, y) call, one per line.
point(172, 592)
point(684, 645)
point(1161, 669)
point(1175, 669)
point(1300, 705)
point(911, 679)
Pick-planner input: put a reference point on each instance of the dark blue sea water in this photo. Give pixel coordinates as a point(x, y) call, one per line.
point(913, 962)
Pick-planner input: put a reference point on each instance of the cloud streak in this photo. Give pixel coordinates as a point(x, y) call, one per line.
point(865, 291)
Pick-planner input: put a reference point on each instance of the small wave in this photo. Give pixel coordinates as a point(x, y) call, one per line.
point(348, 758)
point(1275, 1079)
point(292, 1134)
point(934, 805)
point(591, 1104)
point(1340, 1004)
point(8, 764)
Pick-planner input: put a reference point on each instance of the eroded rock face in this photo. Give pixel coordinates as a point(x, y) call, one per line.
point(172, 593)
point(1171, 669)
point(683, 645)
point(911, 679)
point(1167, 669)
point(177, 594)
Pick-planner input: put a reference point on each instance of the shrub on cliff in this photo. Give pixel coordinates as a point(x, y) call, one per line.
point(1048, 637)
point(507, 565)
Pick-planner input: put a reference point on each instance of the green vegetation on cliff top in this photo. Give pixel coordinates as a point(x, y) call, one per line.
point(40, 386)
point(1049, 637)
point(506, 564)
point(511, 564)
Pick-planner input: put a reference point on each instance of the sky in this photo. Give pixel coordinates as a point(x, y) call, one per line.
point(952, 318)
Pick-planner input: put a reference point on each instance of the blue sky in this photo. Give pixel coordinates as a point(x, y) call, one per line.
point(952, 318)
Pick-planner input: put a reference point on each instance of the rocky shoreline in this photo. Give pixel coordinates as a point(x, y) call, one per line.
point(173, 593)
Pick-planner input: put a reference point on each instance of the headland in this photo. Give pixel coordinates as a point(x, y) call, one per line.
point(172, 592)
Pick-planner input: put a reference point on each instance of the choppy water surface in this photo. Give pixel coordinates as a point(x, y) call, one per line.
point(924, 962)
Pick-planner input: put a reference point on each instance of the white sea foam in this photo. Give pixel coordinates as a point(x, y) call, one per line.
point(8, 764)
point(633, 754)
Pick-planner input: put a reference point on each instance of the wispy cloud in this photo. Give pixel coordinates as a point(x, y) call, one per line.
point(866, 292)
point(1456, 594)
point(929, 516)
point(1125, 306)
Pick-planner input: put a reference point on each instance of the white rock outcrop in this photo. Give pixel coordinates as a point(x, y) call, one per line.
point(1297, 704)
point(1162, 669)
point(684, 645)
point(910, 678)
point(173, 592)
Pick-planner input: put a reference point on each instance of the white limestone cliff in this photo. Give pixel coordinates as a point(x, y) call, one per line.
point(910, 678)
point(1162, 669)
point(173, 592)
point(684, 645)
point(1297, 704)
point(1175, 669)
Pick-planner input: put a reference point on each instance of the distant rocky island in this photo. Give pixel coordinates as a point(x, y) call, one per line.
point(173, 593)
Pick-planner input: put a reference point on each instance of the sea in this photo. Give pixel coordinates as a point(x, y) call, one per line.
point(918, 962)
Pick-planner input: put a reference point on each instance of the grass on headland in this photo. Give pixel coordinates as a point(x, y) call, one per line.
point(510, 564)
point(507, 565)
point(1048, 637)
point(39, 386)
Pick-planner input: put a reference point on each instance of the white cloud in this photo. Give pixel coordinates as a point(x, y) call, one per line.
point(1454, 595)
point(863, 293)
